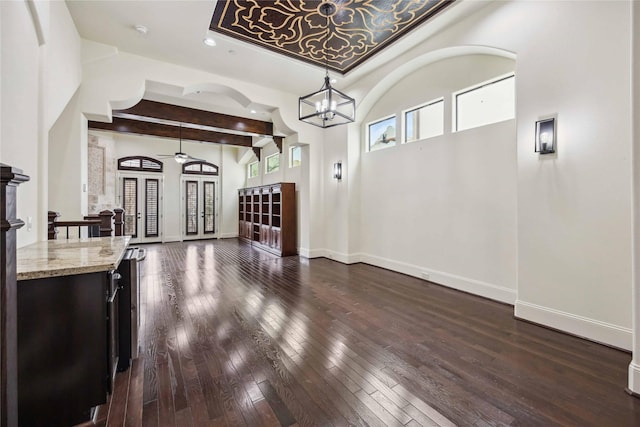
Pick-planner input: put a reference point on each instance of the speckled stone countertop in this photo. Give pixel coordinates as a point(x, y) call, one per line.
point(63, 257)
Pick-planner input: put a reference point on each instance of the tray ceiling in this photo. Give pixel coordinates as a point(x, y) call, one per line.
point(358, 28)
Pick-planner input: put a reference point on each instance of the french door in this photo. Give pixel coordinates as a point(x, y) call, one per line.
point(199, 207)
point(141, 199)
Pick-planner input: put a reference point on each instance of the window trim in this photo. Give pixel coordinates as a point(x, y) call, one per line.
point(454, 99)
point(415, 108)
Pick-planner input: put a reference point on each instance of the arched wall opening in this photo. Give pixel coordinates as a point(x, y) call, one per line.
point(440, 208)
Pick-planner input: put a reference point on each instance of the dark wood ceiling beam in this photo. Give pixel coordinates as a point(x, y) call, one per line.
point(159, 110)
point(168, 131)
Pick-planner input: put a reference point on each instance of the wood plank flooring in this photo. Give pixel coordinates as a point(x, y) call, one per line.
point(232, 336)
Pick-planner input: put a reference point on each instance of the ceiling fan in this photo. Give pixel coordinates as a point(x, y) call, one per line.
point(180, 157)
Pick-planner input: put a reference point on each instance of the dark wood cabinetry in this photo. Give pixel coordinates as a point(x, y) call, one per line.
point(63, 367)
point(268, 218)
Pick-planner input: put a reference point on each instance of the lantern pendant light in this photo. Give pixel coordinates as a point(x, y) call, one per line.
point(327, 107)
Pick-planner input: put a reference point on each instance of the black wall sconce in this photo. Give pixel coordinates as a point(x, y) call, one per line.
point(546, 136)
point(337, 171)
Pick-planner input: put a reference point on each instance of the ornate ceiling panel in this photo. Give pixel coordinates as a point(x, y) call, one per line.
point(358, 28)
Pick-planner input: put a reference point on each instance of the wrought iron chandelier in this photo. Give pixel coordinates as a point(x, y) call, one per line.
point(327, 107)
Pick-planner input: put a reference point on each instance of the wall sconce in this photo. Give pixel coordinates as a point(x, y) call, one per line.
point(337, 171)
point(546, 136)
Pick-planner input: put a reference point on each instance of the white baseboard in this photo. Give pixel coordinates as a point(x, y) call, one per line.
point(476, 287)
point(326, 253)
point(634, 378)
point(342, 257)
point(311, 253)
point(227, 235)
point(592, 329)
point(176, 238)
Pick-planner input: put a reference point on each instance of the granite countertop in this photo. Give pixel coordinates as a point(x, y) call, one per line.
point(64, 257)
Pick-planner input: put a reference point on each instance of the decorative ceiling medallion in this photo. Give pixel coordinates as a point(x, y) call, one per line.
point(359, 28)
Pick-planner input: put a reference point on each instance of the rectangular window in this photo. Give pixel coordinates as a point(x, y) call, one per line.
point(295, 156)
point(425, 121)
point(272, 163)
point(381, 134)
point(490, 102)
point(253, 169)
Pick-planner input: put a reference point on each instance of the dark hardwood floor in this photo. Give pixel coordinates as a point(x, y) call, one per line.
point(232, 336)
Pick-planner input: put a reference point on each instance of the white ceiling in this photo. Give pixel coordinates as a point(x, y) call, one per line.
point(176, 30)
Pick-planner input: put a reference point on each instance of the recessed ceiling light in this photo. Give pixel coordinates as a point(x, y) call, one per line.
point(334, 80)
point(253, 111)
point(209, 41)
point(141, 29)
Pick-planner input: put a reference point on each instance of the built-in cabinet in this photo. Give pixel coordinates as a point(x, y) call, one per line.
point(268, 218)
point(63, 348)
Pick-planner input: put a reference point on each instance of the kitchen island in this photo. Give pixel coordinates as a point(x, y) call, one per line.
point(66, 333)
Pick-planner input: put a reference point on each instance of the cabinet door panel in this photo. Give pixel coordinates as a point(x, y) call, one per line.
point(264, 234)
point(276, 241)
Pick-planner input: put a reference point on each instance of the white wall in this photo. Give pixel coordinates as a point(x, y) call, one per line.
point(64, 70)
point(21, 119)
point(67, 183)
point(234, 176)
point(40, 73)
point(573, 208)
point(444, 206)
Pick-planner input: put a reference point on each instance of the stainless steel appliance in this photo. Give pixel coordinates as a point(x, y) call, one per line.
point(113, 285)
point(129, 321)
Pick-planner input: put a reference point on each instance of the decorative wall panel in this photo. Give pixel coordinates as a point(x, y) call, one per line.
point(102, 174)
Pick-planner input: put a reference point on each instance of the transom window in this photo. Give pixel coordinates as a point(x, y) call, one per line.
point(200, 168)
point(381, 133)
point(486, 103)
point(425, 121)
point(139, 163)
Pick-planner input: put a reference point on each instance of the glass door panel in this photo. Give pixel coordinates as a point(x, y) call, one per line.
point(130, 206)
point(191, 207)
point(151, 223)
point(209, 203)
